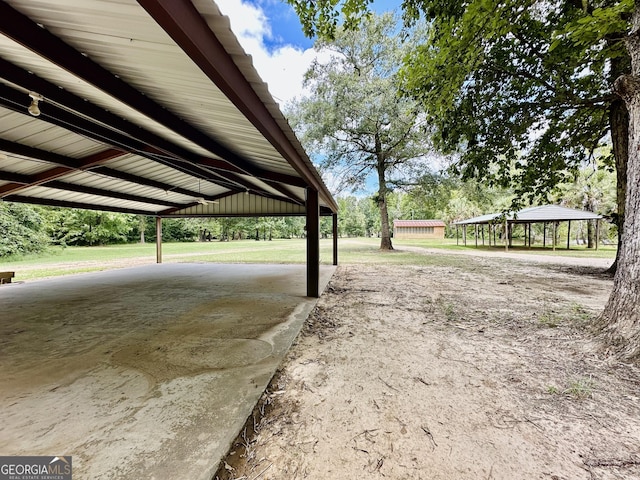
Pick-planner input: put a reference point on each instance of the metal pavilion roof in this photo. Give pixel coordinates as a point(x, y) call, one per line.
point(149, 107)
point(544, 213)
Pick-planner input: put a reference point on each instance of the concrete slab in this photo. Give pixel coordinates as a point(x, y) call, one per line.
point(147, 372)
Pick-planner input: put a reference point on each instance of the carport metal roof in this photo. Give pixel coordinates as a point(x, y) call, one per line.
point(149, 107)
point(544, 213)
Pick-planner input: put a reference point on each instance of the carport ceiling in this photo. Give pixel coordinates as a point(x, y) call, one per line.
point(149, 107)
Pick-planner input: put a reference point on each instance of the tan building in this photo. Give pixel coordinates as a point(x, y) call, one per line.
point(418, 229)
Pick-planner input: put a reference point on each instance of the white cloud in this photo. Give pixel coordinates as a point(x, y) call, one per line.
point(282, 69)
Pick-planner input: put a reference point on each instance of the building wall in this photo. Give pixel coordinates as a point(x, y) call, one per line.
point(419, 232)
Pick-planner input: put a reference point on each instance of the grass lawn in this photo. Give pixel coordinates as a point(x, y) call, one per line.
point(59, 261)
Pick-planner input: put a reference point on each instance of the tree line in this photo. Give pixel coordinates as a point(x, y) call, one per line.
point(29, 229)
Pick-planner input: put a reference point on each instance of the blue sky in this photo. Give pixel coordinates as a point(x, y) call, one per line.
point(285, 26)
point(269, 30)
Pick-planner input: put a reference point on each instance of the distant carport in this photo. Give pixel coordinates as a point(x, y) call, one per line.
point(545, 214)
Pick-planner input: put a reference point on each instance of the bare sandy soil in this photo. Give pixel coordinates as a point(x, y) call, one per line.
point(475, 367)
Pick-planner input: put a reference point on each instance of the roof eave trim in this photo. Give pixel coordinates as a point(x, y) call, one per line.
point(189, 30)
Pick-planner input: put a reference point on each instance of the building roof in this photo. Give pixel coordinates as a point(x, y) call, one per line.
point(149, 107)
point(544, 213)
point(418, 223)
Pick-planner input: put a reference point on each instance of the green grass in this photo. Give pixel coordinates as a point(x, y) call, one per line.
point(62, 261)
point(604, 251)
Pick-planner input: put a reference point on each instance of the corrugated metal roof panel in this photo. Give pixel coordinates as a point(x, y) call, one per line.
point(243, 204)
point(43, 192)
point(544, 213)
point(418, 223)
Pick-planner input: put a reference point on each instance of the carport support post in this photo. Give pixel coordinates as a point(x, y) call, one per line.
point(313, 243)
point(568, 233)
point(335, 238)
point(158, 239)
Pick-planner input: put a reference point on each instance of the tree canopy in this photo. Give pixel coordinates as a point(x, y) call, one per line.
point(523, 102)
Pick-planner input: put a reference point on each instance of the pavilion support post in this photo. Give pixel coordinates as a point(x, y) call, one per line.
point(529, 235)
point(597, 232)
point(313, 243)
point(553, 240)
point(544, 234)
point(464, 235)
point(483, 234)
point(158, 239)
point(568, 233)
point(506, 235)
point(495, 244)
point(476, 234)
point(457, 239)
point(335, 238)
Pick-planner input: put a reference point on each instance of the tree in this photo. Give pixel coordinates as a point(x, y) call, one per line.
point(351, 218)
point(72, 226)
point(620, 321)
point(21, 230)
point(354, 118)
point(597, 31)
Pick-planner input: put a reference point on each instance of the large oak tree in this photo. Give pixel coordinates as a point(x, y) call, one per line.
point(354, 120)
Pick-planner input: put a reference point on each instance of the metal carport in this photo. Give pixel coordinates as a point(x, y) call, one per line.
point(540, 214)
point(148, 107)
point(152, 108)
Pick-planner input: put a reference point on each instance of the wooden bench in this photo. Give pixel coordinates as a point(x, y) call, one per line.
point(5, 277)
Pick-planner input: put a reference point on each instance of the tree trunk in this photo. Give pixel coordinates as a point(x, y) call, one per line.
point(619, 127)
point(142, 225)
point(385, 233)
point(620, 321)
point(591, 234)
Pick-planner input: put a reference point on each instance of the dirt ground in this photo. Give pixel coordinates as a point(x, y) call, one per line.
point(469, 367)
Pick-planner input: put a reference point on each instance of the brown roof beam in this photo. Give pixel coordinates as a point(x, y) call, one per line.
point(92, 162)
point(286, 192)
point(189, 30)
point(21, 182)
point(13, 100)
point(66, 204)
point(110, 172)
point(50, 157)
point(72, 187)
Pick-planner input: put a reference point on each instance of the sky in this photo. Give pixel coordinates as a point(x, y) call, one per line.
point(269, 31)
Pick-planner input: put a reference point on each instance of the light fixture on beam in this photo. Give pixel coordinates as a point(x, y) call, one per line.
point(34, 109)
